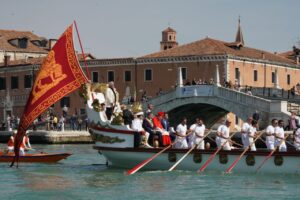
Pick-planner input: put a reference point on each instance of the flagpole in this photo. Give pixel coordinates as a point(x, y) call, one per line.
point(83, 54)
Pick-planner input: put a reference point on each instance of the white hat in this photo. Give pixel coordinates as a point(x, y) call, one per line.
point(139, 113)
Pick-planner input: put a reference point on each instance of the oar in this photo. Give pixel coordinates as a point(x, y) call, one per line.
point(270, 154)
point(210, 159)
point(187, 153)
point(145, 162)
point(239, 158)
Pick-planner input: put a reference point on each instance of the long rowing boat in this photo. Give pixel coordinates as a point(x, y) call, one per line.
point(120, 145)
point(35, 158)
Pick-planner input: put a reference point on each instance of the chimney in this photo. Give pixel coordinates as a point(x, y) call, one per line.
point(263, 55)
point(52, 42)
point(297, 59)
point(6, 60)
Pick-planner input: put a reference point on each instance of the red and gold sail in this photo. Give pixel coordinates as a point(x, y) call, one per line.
point(59, 75)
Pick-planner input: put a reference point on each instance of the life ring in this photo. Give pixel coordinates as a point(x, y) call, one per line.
point(250, 160)
point(223, 158)
point(172, 157)
point(278, 160)
point(197, 157)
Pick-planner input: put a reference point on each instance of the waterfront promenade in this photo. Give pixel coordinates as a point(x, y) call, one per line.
point(53, 137)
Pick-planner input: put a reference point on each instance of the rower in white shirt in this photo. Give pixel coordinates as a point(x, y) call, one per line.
point(223, 136)
point(246, 131)
point(198, 130)
point(181, 131)
point(297, 140)
point(270, 134)
point(252, 134)
point(279, 136)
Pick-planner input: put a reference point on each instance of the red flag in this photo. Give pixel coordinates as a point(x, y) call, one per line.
point(59, 75)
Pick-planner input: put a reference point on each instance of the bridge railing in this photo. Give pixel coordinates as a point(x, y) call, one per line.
point(243, 98)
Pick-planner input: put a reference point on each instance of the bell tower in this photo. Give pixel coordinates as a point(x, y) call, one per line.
point(168, 39)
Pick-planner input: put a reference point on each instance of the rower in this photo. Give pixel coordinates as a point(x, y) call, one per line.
point(279, 136)
point(223, 136)
point(181, 131)
point(252, 134)
point(27, 141)
point(198, 132)
point(246, 131)
point(270, 132)
point(297, 139)
point(11, 142)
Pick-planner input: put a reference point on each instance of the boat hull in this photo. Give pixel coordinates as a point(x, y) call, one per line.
point(280, 162)
point(35, 158)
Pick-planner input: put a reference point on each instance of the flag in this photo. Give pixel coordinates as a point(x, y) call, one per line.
point(59, 75)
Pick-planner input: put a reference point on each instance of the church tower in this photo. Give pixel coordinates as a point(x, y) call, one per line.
point(239, 39)
point(168, 39)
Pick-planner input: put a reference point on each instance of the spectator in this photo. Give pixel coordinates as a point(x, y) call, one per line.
point(65, 111)
point(79, 121)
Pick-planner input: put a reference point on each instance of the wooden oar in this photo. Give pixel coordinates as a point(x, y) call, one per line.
point(145, 162)
point(187, 153)
point(210, 159)
point(270, 154)
point(239, 158)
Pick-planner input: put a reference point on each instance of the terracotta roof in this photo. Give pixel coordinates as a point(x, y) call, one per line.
point(210, 46)
point(37, 61)
point(88, 56)
point(169, 29)
point(29, 61)
point(6, 36)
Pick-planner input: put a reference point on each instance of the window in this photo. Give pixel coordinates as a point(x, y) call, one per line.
point(27, 81)
point(82, 111)
point(237, 74)
point(95, 77)
point(23, 43)
point(273, 77)
point(255, 75)
point(14, 82)
point(65, 101)
point(148, 75)
point(184, 73)
point(110, 76)
point(170, 37)
point(2, 83)
point(165, 47)
point(288, 79)
point(127, 76)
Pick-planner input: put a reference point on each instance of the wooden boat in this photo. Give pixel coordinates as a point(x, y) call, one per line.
point(35, 158)
point(120, 146)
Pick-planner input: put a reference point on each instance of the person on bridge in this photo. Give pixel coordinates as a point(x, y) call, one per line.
point(223, 136)
point(246, 131)
point(198, 130)
point(279, 136)
point(270, 132)
point(181, 132)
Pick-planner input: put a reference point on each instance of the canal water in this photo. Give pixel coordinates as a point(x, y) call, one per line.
point(85, 176)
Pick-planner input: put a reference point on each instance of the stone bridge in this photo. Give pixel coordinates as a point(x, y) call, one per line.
point(211, 102)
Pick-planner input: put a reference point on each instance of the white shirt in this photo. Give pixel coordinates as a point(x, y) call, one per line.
point(252, 131)
point(198, 130)
point(137, 124)
point(246, 127)
point(181, 130)
point(110, 98)
point(271, 130)
point(279, 131)
point(297, 135)
point(224, 130)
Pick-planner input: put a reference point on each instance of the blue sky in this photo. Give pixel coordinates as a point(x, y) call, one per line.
point(132, 28)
